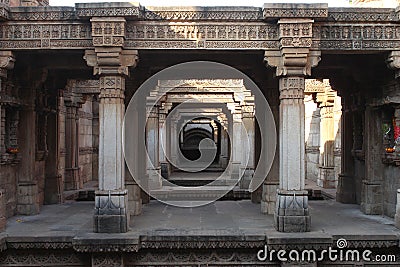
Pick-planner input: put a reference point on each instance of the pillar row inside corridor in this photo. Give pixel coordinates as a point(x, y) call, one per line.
point(111, 63)
point(293, 61)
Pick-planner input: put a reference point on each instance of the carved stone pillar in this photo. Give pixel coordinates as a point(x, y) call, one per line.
point(72, 178)
point(371, 194)
point(326, 178)
point(164, 165)
point(294, 61)
point(248, 134)
point(271, 183)
point(236, 145)
point(152, 145)
point(346, 192)
point(111, 62)
point(7, 61)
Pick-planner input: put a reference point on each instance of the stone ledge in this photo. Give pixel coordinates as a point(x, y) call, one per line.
point(106, 243)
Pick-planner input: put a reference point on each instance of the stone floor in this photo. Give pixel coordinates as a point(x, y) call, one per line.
point(220, 218)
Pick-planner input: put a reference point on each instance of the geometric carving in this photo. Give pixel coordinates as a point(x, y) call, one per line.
point(89, 10)
point(393, 62)
point(108, 31)
point(295, 11)
point(200, 13)
point(316, 86)
point(291, 88)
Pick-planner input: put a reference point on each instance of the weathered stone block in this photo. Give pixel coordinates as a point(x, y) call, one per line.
point(291, 214)
point(110, 223)
point(111, 215)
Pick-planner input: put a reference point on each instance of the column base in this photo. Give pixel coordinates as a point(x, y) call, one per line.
point(155, 181)
point(165, 170)
point(268, 198)
point(27, 200)
point(371, 196)
point(134, 198)
point(246, 178)
point(111, 214)
point(235, 170)
point(346, 191)
point(326, 177)
point(291, 214)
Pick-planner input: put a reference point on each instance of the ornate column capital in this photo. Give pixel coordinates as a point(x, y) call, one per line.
point(294, 58)
point(393, 62)
point(109, 57)
point(7, 61)
point(111, 61)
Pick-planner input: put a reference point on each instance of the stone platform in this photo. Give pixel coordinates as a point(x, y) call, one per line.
point(222, 227)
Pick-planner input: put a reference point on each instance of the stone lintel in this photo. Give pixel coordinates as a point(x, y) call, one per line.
point(292, 10)
point(108, 9)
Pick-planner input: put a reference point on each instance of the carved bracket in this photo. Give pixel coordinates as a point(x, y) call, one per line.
point(7, 61)
point(111, 61)
point(295, 56)
point(393, 62)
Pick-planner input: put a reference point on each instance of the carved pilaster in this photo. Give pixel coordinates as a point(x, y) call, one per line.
point(112, 63)
point(73, 102)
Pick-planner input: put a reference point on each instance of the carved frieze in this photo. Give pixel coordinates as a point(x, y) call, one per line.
point(295, 11)
point(108, 31)
point(200, 28)
point(36, 35)
point(356, 36)
point(203, 13)
point(42, 13)
point(88, 10)
point(362, 14)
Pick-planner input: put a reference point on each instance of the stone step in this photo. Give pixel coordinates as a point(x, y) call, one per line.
point(205, 193)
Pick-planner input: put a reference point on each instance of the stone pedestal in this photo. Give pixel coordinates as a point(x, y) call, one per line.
point(326, 177)
point(27, 203)
point(291, 213)
point(111, 211)
point(268, 200)
point(346, 191)
point(371, 198)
